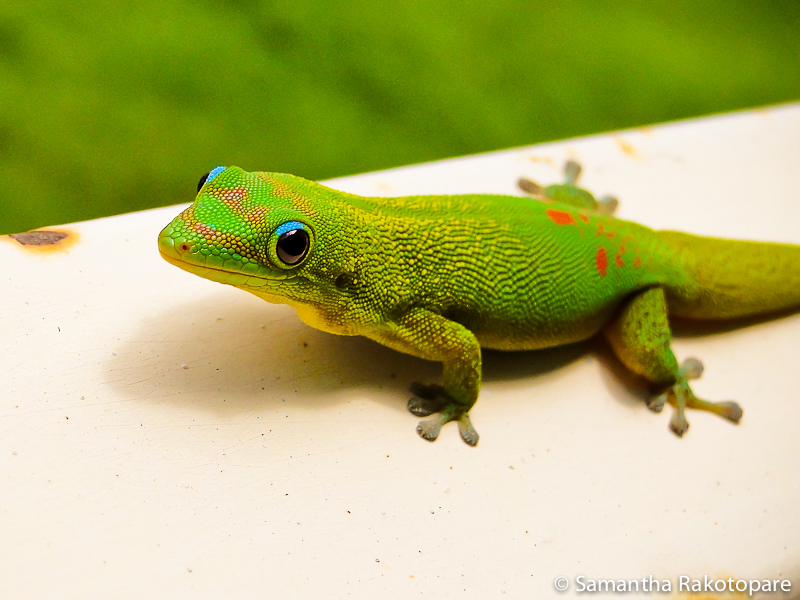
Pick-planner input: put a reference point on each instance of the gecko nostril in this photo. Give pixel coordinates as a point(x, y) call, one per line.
point(184, 247)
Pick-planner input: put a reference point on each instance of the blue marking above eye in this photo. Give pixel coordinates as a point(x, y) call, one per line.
point(289, 226)
point(208, 177)
point(214, 172)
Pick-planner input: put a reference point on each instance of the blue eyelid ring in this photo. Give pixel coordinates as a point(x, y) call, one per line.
point(289, 226)
point(213, 173)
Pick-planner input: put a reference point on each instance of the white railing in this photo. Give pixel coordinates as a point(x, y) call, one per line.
point(162, 436)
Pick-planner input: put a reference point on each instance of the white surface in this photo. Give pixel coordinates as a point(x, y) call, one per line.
point(162, 436)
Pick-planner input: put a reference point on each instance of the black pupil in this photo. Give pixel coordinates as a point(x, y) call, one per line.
point(202, 181)
point(292, 246)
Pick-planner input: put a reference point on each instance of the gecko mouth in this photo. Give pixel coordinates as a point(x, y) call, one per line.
point(168, 251)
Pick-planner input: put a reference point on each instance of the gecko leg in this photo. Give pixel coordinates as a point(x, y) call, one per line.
point(433, 337)
point(640, 336)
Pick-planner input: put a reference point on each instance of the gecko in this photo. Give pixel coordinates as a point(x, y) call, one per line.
point(441, 277)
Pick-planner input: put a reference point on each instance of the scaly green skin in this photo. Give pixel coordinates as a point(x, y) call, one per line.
point(439, 277)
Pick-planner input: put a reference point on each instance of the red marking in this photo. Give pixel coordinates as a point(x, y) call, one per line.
point(584, 218)
point(600, 228)
point(637, 262)
point(559, 217)
point(610, 234)
point(256, 214)
point(601, 261)
point(204, 230)
point(618, 260)
point(233, 198)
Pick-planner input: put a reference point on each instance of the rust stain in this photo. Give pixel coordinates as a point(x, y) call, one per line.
point(44, 240)
point(626, 147)
point(540, 159)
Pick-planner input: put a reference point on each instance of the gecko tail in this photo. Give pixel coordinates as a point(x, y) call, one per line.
point(734, 278)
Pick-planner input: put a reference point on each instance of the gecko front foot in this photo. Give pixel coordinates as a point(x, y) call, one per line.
point(430, 399)
point(681, 396)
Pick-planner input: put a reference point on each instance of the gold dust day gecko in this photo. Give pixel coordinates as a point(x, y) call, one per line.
point(440, 277)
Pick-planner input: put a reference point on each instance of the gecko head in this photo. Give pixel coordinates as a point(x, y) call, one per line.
point(253, 230)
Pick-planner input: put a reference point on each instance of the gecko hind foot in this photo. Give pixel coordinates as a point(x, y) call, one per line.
point(569, 193)
point(431, 399)
point(681, 397)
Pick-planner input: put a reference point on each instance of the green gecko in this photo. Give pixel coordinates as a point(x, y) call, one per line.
point(440, 277)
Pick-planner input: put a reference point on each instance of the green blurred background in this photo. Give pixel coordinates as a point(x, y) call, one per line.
point(108, 106)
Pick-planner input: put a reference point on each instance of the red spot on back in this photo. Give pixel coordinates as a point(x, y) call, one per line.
point(559, 217)
point(618, 260)
point(637, 262)
point(584, 218)
point(601, 261)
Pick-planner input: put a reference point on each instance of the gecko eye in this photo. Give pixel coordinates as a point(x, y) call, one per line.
point(292, 246)
point(202, 182)
point(208, 177)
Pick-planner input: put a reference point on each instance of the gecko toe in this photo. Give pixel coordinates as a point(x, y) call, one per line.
point(678, 424)
point(731, 411)
point(467, 431)
point(727, 410)
point(428, 399)
point(430, 428)
point(422, 407)
point(607, 205)
point(691, 368)
point(657, 404)
point(572, 171)
point(530, 187)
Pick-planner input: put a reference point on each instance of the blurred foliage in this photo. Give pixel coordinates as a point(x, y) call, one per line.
point(108, 107)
